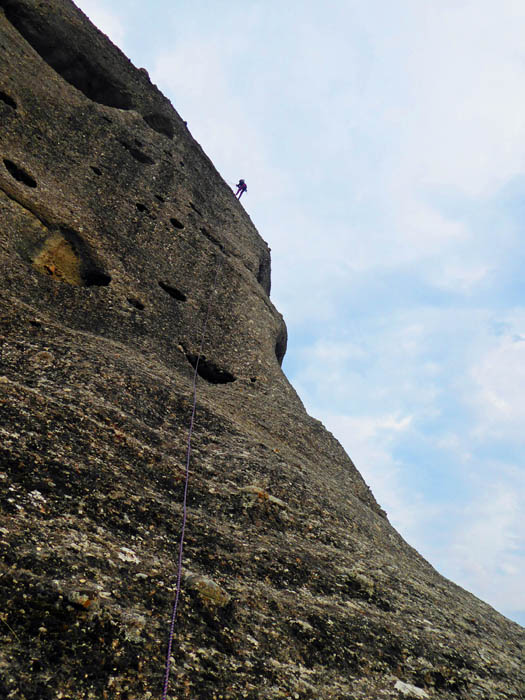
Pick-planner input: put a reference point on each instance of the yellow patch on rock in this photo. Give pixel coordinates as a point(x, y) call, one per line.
point(209, 592)
point(57, 258)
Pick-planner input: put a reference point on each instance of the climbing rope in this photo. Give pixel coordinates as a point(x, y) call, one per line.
point(186, 482)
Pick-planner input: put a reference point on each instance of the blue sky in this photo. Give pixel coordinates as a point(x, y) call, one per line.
point(383, 145)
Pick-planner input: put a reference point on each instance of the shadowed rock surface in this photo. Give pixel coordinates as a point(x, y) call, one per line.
point(116, 232)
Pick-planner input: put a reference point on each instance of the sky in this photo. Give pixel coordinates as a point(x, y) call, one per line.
point(383, 145)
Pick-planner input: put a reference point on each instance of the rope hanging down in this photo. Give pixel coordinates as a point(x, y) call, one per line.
point(186, 482)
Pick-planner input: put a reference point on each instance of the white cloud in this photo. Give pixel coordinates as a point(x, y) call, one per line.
point(378, 400)
point(488, 550)
point(196, 74)
point(369, 440)
point(460, 275)
point(103, 17)
point(464, 116)
point(499, 386)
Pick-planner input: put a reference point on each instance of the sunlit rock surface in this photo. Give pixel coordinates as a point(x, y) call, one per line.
point(116, 236)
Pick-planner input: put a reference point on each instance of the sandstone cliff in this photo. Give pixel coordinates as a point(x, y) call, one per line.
point(117, 234)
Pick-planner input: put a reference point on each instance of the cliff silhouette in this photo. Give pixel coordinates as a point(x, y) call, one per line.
point(118, 237)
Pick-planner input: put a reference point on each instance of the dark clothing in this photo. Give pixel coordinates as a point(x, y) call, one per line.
point(241, 188)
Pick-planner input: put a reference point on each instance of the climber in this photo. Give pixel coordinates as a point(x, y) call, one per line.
point(241, 187)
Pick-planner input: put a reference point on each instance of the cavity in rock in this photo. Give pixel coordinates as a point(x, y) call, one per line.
point(209, 371)
point(160, 123)
point(137, 154)
point(264, 273)
point(96, 278)
point(7, 99)
point(60, 52)
point(19, 174)
point(176, 223)
point(136, 303)
point(65, 256)
point(280, 343)
point(174, 293)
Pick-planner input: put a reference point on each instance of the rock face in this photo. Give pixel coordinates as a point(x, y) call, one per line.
point(117, 237)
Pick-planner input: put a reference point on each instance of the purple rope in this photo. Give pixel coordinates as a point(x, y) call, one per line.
point(185, 499)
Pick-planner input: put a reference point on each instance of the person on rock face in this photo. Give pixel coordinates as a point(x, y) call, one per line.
point(241, 188)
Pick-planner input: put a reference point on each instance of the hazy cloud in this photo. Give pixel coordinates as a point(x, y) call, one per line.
point(108, 21)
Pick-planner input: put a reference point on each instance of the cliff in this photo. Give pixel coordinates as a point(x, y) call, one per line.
point(118, 236)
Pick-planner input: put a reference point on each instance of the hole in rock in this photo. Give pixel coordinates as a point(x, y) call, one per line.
point(253, 379)
point(64, 256)
point(212, 238)
point(19, 174)
point(7, 99)
point(209, 371)
point(160, 123)
point(96, 170)
point(195, 209)
point(96, 278)
point(176, 223)
point(36, 666)
point(141, 207)
point(280, 343)
point(137, 154)
point(181, 162)
point(161, 199)
point(174, 293)
point(136, 303)
point(264, 273)
point(59, 49)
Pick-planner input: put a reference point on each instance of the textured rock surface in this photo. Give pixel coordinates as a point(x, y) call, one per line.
point(116, 232)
